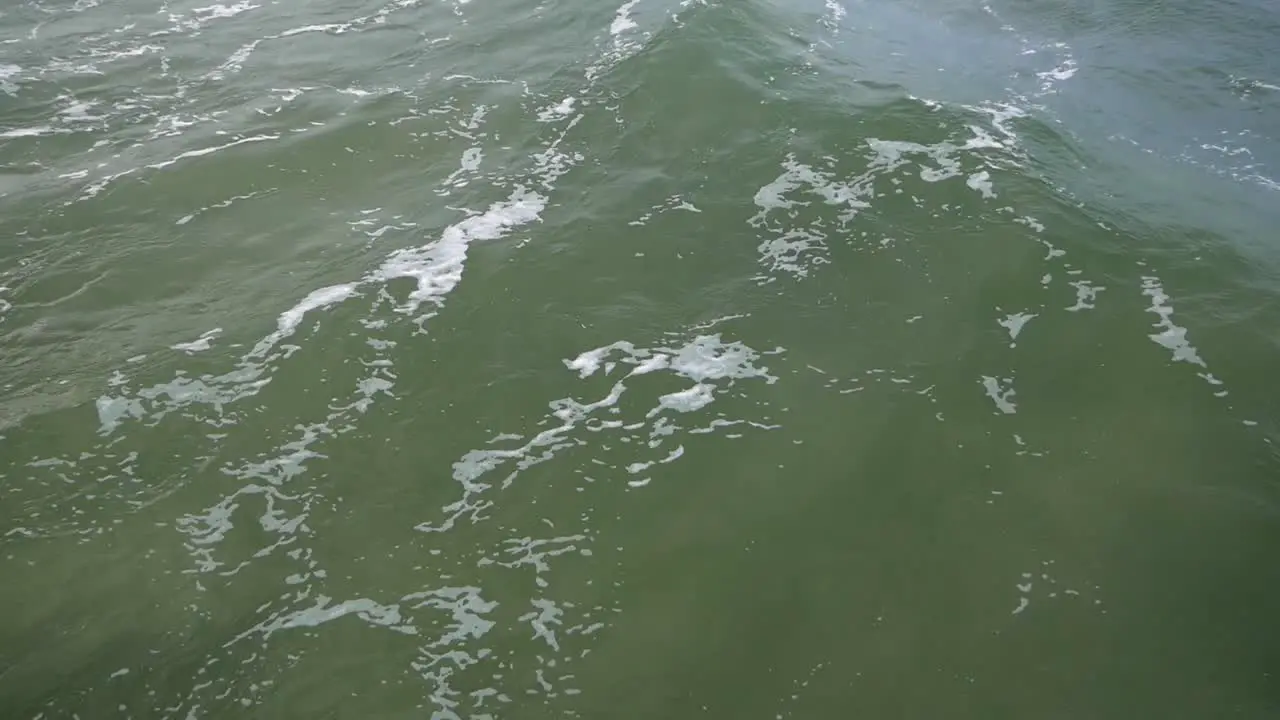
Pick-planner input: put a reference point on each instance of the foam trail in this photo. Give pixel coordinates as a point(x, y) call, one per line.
point(622, 21)
point(289, 320)
point(1172, 335)
point(708, 361)
point(200, 344)
point(437, 268)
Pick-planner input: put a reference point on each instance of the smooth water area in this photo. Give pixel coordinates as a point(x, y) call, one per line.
point(659, 359)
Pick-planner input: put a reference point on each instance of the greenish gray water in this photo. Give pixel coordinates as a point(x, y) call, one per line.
point(758, 359)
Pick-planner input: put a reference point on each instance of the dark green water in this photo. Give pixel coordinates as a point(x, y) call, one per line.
point(754, 359)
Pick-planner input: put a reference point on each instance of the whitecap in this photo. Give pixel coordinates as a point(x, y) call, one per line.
point(622, 21)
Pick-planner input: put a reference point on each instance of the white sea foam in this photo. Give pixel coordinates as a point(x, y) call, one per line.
point(1170, 335)
point(335, 28)
point(710, 362)
point(288, 321)
point(78, 111)
point(1014, 323)
point(200, 344)
point(794, 248)
point(695, 398)
point(705, 358)
point(437, 267)
point(210, 150)
point(30, 132)
point(323, 611)
point(8, 71)
point(556, 112)
point(622, 21)
point(981, 181)
point(835, 11)
point(235, 61)
point(1086, 295)
point(1049, 78)
point(1030, 222)
point(1001, 393)
point(471, 159)
point(219, 10)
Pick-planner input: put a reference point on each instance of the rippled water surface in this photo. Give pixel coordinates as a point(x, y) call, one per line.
point(754, 359)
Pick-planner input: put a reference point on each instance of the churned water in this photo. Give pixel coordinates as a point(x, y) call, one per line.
point(656, 359)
